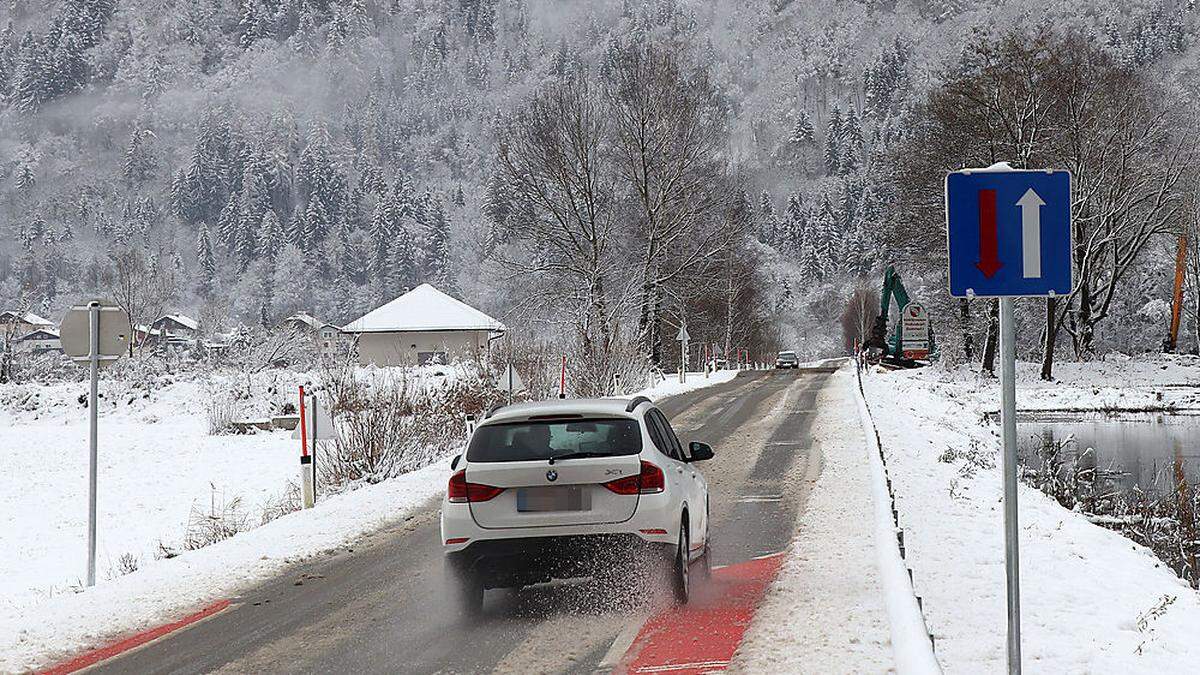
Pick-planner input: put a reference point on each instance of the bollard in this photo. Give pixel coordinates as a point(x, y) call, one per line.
point(306, 477)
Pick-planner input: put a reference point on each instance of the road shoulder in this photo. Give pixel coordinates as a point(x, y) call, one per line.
point(825, 611)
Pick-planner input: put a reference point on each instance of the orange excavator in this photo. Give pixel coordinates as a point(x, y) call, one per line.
point(1172, 340)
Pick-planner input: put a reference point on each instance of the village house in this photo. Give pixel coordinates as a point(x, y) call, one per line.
point(330, 340)
point(39, 341)
point(420, 327)
point(22, 323)
point(15, 325)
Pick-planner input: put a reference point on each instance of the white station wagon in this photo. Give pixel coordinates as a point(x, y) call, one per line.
point(573, 488)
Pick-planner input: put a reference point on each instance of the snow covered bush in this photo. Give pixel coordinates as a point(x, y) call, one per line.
point(224, 518)
point(392, 422)
point(220, 412)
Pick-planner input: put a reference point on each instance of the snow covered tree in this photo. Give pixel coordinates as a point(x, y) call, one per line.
point(205, 260)
point(137, 165)
point(833, 142)
point(803, 134)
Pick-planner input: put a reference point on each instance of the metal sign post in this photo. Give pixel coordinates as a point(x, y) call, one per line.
point(96, 334)
point(1009, 236)
point(93, 432)
point(683, 338)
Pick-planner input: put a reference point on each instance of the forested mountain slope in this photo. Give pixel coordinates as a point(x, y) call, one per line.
point(266, 156)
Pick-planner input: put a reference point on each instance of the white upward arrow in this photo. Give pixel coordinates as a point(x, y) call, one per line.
point(1031, 233)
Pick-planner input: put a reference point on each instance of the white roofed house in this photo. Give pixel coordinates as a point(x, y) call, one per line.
point(16, 324)
point(175, 331)
point(329, 338)
point(422, 326)
point(39, 341)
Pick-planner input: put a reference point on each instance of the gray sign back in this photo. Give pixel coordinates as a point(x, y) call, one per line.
point(114, 332)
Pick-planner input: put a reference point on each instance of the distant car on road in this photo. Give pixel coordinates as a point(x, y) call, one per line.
point(574, 488)
point(787, 360)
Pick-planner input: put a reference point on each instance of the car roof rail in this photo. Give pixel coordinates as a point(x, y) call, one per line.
point(635, 402)
point(492, 410)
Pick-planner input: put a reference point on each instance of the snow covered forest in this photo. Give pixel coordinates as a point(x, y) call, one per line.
point(247, 159)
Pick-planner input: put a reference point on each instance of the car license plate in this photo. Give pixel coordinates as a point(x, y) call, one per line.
point(545, 499)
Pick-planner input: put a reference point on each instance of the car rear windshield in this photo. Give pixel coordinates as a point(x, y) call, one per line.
point(787, 355)
point(551, 438)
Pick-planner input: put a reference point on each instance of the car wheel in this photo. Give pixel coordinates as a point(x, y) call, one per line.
point(706, 559)
point(680, 581)
point(466, 587)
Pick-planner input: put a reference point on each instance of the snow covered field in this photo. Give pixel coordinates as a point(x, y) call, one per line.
point(1092, 600)
point(157, 461)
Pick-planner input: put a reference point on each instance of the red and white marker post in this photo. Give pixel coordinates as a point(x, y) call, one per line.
point(306, 475)
point(562, 378)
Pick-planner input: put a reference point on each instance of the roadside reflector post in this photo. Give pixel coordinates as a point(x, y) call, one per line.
point(562, 379)
point(306, 476)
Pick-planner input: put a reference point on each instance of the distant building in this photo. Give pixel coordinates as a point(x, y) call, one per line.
point(39, 341)
point(422, 326)
point(177, 325)
point(21, 323)
point(302, 321)
point(330, 340)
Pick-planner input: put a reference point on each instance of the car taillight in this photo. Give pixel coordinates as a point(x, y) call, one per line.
point(481, 493)
point(649, 480)
point(653, 479)
point(456, 491)
point(459, 491)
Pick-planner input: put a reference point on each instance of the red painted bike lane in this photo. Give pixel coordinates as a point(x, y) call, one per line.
point(702, 636)
point(94, 656)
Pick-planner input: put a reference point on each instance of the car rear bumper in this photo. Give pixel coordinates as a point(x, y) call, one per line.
point(502, 563)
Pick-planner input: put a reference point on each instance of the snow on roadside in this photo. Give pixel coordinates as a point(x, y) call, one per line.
point(825, 612)
point(1088, 594)
point(159, 461)
point(163, 589)
point(671, 386)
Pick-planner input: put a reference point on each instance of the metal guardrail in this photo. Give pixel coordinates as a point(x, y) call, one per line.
point(907, 618)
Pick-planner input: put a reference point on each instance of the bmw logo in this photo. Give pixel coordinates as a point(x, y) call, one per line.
point(551, 475)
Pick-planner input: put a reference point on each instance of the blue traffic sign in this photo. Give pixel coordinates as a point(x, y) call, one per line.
point(1009, 233)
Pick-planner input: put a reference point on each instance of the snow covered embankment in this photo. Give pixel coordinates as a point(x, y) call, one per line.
point(1092, 600)
point(826, 611)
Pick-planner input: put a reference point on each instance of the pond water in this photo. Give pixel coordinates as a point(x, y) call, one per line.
point(1134, 449)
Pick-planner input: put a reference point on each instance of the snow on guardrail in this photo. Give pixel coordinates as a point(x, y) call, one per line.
point(912, 644)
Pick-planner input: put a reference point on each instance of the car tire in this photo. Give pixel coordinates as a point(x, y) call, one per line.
point(680, 573)
point(706, 559)
point(466, 588)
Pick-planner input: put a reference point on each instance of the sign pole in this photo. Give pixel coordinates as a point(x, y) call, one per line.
point(93, 398)
point(314, 449)
point(1009, 236)
point(1008, 424)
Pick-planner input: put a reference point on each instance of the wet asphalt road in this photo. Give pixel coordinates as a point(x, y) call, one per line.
point(379, 606)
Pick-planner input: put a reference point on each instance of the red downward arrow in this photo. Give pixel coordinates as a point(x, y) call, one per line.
point(989, 261)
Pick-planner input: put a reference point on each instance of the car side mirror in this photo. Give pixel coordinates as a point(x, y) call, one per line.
point(454, 462)
point(700, 451)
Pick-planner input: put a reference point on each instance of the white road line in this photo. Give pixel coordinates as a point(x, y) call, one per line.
point(710, 665)
point(620, 645)
point(760, 498)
